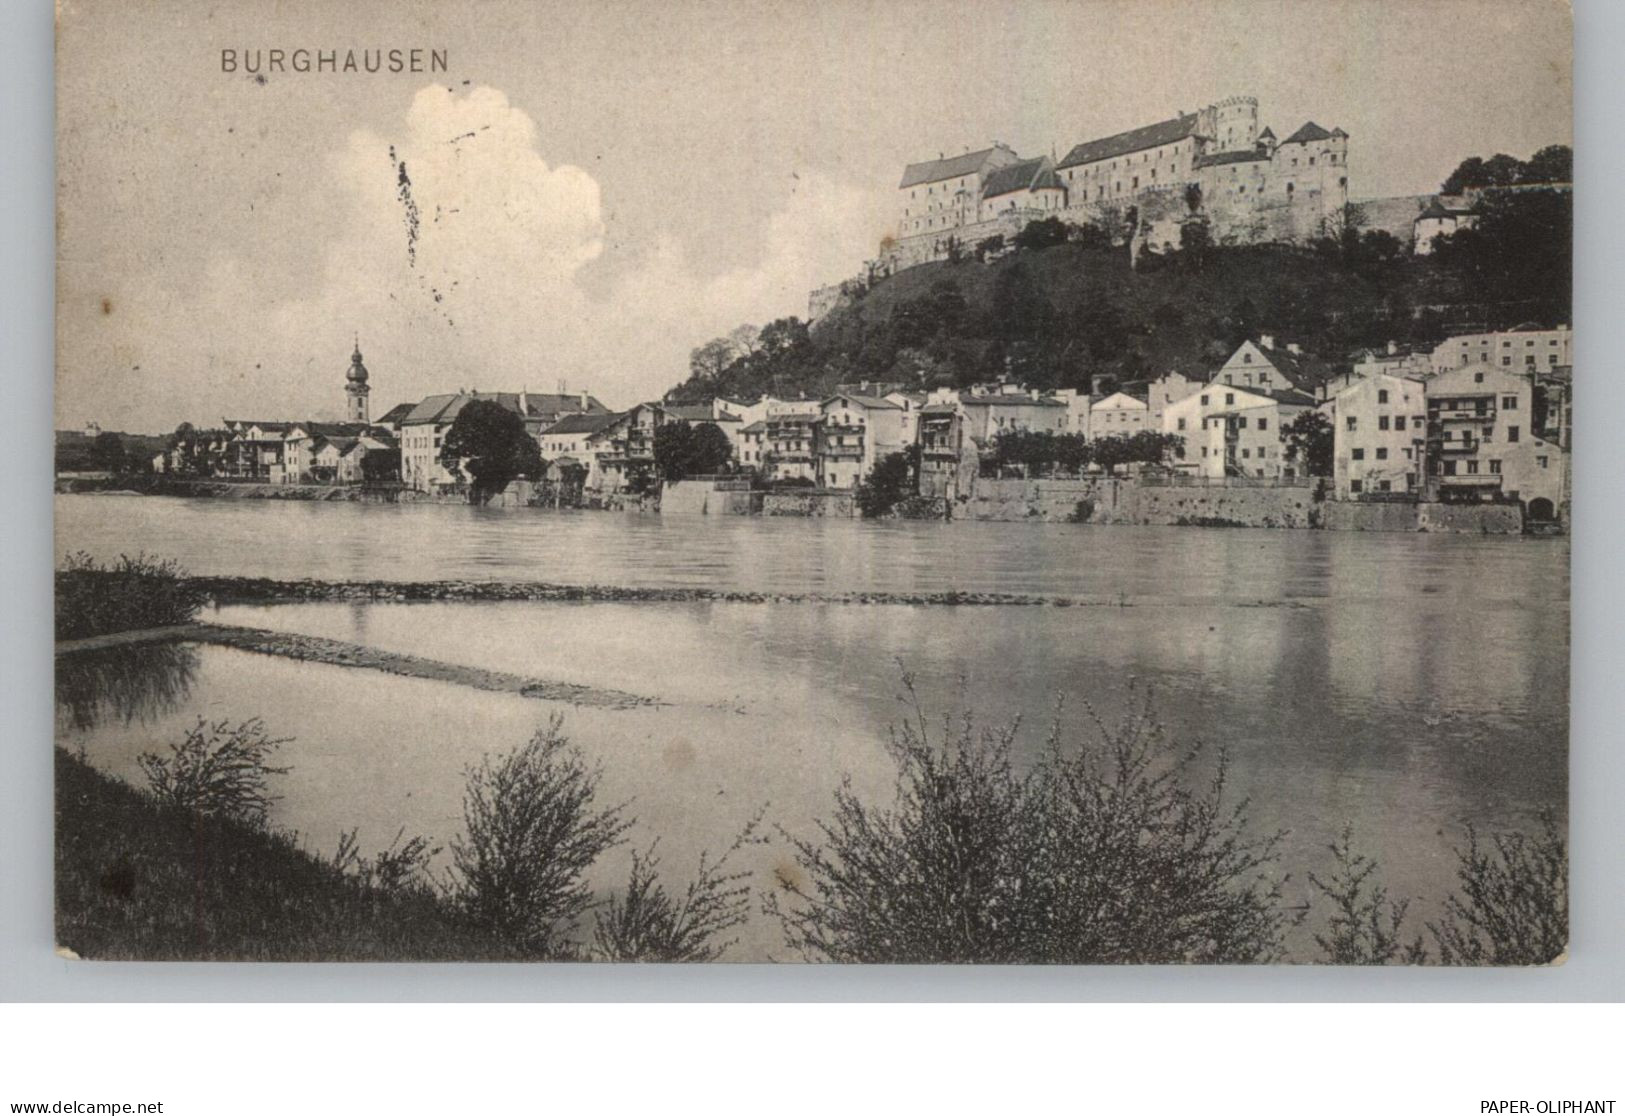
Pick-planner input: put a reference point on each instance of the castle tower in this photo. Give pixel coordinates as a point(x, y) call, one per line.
point(356, 387)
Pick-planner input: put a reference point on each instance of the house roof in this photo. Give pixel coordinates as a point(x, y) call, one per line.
point(1224, 157)
point(1010, 401)
point(754, 428)
point(1438, 208)
point(396, 413)
point(1029, 174)
point(1136, 139)
point(695, 412)
point(1308, 133)
point(935, 170)
point(343, 443)
point(938, 409)
point(582, 424)
point(445, 407)
point(871, 402)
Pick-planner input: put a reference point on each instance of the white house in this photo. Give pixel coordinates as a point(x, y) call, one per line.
point(1379, 436)
point(1231, 431)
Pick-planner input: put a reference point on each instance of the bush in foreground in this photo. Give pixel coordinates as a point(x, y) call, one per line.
point(130, 594)
point(1513, 906)
point(219, 769)
point(531, 831)
point(649, 924)
point(1101, 852)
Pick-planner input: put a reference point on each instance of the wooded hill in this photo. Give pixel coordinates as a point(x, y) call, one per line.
point(1052, 316)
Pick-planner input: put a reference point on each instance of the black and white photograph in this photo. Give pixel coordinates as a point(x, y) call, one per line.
point(871, 482)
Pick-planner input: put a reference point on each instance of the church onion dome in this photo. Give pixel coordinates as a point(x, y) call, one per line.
point(358, 371)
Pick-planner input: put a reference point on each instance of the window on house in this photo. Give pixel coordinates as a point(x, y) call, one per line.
point(1478, 377)
point(1181, 424)
point(1506, 360)
point(1495, 466)
point(1541, 461)
point(1204, 401)
point(1384, 486)
point(1356, 486)
point(1472, 468)
point(1449, 468)
point(1382, 453)
point(1263, 424)
point(1229, 397)
point(1512, 433)
point(1382, 395)
point(1357, 454)
point(1351, 422)
point(1382, 422)
point(1509, 402)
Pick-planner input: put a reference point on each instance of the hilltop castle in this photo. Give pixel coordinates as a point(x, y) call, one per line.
point(1214, 164)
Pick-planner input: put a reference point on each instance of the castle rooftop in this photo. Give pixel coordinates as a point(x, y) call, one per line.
point(1029, 174)
point(1136, 139)
point(936, 170)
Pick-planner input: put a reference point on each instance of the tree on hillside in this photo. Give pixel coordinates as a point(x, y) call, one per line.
point(1521, 250)
point(709, 361)
point(1309, 439)
point(684, 450)
point(1476, 173)
point(1043, 233)
point(1195, 238)
point(1549, 164)
point(488, 442)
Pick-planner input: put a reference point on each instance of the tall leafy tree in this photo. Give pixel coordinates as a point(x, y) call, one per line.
point(1309, 439)
point(685, 450)
point(488, 442)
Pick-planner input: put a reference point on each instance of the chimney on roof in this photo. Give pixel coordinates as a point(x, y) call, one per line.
point(1393, 348)
point(1266, 341)
point(1294, 348)
point(524, 401)
point(583, 401)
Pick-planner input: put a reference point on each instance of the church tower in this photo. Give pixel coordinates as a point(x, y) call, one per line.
point(356, 387)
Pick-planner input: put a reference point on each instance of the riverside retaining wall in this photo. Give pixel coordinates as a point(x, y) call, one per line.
point(810, 502)
point(1104, 501)
point(1445, 519)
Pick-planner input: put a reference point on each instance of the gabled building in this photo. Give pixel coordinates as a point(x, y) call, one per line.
point(1379, 425)
point(424, 428)
point(1442, 216)
point(1232, 431)
point(854, 432)
point(590, 442)
point(1482, 445)
point(1526, 348)
point(1118, 415)
point(1264, 364)
point(790, 450)
point(985, 416)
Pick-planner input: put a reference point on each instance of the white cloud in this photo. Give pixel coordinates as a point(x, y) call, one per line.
point(485, 292)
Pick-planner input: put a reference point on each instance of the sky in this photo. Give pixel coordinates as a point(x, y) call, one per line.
point(599, 188)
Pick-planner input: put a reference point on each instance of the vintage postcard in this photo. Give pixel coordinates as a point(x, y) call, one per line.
point(867, 481)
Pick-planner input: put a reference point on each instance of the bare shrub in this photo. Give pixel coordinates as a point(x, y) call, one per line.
point(530, 834)
point(1513, 906)
point(1099, 853)
point(1364, 927)
point(219, 769)
point(403, 865)
point(648, 924)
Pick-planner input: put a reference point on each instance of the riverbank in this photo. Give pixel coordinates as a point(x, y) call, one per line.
point(337, 652)
point(136, 881)
point(1092, 501)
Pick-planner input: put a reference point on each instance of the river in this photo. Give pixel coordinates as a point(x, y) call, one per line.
point(1407, 684)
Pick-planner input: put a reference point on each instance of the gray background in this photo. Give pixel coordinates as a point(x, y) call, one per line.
point(30, 971)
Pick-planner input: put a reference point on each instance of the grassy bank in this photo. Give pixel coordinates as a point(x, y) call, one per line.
point(136, 880)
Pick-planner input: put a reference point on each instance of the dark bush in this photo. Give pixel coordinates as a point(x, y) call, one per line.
point(1102, 852)
point(531, 831)
point(218, 770)
point(130, 594)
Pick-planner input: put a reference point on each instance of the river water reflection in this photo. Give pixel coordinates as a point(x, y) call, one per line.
point(1408, 684)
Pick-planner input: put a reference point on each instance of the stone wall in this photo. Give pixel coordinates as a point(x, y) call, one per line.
point(1103, 501)
point(1447, 519)
point(810, 502)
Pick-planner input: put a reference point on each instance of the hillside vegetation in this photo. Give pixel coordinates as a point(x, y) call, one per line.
point(1067, 306)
